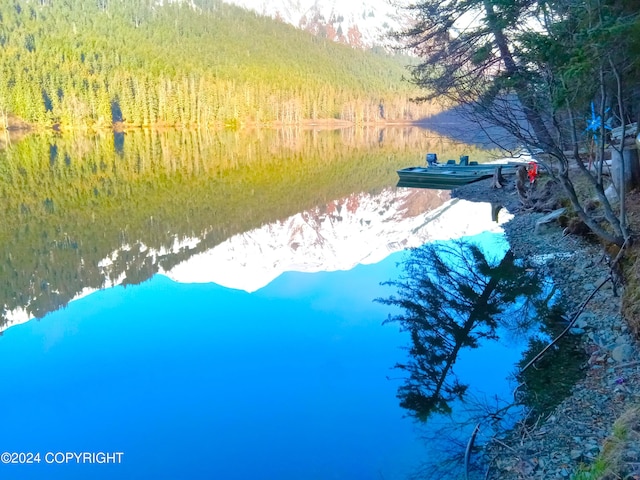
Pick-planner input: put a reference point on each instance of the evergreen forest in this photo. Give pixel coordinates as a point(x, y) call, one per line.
point(93, 64)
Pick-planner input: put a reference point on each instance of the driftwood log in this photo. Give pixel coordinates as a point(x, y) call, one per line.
point(536, 199)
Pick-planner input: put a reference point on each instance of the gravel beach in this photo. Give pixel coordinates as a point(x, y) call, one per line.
point(576, 432)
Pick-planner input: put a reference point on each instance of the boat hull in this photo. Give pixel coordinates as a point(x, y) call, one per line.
point(447, 178)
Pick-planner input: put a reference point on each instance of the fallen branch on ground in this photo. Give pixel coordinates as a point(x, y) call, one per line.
point(571, 323)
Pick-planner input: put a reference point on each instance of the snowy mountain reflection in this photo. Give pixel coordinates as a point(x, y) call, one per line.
point(358, 229)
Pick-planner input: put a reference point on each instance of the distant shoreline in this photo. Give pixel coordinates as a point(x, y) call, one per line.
point(17, 125)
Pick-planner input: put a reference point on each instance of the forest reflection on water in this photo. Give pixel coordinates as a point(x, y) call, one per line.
point(72, 200)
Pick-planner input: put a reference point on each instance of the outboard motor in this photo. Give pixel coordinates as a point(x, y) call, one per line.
point(432, 159)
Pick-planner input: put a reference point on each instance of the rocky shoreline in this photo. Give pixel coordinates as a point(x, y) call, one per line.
point(581, 426)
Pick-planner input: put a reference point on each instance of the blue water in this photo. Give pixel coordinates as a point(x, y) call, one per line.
point(203, 382)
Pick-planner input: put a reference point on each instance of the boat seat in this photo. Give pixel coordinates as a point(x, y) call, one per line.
point(451, 162)
point(473, 163)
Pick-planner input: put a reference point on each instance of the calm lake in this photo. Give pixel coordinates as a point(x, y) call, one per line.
point(201, 304)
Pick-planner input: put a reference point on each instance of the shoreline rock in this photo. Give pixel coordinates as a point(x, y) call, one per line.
point(574, 433)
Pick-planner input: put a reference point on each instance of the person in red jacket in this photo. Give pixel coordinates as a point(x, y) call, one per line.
point(532, 171)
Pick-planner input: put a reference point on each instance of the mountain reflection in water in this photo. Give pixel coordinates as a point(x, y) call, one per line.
point(83, 213)
point(205, 380)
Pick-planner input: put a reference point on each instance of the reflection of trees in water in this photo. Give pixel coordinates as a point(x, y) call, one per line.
point(542, 388)
point(451, 297)
point(72, 200)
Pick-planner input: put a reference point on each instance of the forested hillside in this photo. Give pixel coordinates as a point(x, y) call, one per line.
point(80, 63)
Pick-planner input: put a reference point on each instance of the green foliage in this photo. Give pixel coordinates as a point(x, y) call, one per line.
point(618, 450)
point(583, 49)
point(595, 471)
point(556, 56)
point(79, 63)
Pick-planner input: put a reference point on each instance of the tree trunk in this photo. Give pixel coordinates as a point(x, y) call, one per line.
point(521, 186)
point(498, 180)
point(616, 239)
point(629, 175)
point(531, 113)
